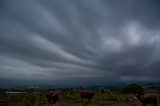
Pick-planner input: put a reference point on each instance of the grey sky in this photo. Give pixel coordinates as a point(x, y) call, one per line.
point(109, 40)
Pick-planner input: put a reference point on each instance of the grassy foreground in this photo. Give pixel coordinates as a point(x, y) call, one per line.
point(71, 99)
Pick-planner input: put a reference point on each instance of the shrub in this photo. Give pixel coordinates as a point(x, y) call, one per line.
point(133, 88)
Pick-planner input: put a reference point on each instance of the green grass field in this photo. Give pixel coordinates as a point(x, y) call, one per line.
point(71, 99)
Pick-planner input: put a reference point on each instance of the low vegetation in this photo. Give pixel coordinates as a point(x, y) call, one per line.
point(71, 99)
point(121, 97)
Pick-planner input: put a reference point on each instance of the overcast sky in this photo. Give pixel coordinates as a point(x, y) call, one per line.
point(102, 40)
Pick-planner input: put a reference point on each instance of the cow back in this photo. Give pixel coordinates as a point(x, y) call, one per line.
point(87, 94)
point(148, 98)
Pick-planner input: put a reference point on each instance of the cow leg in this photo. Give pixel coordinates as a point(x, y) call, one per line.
point(81, 99)
point(51, 104)
point(144, 104)
point(56, 104)
point(89, 100)
point(156, 103)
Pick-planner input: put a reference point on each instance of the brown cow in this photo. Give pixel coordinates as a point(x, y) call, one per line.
point(53, 98)
point(148, 99)
point(87, 95)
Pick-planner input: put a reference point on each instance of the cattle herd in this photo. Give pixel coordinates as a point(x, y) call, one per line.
point(53, 98)
point(87, 96)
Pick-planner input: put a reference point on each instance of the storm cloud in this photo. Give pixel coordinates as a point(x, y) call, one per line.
point(80, 40)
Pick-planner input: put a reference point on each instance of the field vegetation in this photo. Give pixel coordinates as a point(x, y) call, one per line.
point(124, 96)
point(71, 98)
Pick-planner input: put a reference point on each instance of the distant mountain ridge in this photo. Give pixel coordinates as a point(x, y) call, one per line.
point(17, 83)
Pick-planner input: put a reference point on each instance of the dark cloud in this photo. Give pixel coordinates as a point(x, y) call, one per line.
point(95, 40)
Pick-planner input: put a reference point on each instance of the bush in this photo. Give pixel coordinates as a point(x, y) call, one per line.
point(133, 88)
